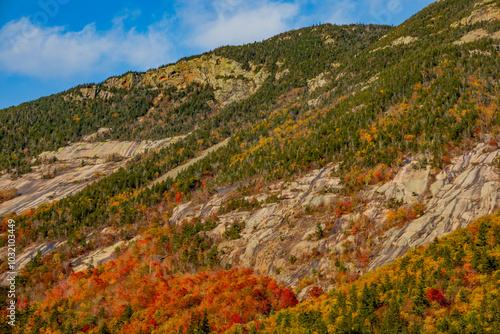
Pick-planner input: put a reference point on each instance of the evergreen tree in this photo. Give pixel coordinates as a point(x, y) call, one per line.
point(393, 323)
point(69, 329)
point(420, 302)
point(204, 327)
point(104, 329)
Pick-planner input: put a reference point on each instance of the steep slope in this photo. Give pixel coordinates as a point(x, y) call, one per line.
point(232, 119)
point(346, 146)
point(71, 168)
point(293, 228)
point(451, 286)
point(157, 104)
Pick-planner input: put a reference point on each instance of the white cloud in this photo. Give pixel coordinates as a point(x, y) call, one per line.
point(54, 52)
point(126, 14)
point(237, 22)
point(196, 25)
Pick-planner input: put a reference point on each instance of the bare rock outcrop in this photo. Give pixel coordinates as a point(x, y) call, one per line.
point(475, 35)
point(73, 168)
point(299, 232)
point(230, 81)
point(403, 40)
point(28, 254)
point(319, 81)
point(465, 190)
point(485, 11)
point(408, 185)
point(89, 93)
point(278, 236)
point(100, 255)
point(102, 150)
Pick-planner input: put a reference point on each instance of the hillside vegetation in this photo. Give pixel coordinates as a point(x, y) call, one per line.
point(451, 286)
point(361, 100)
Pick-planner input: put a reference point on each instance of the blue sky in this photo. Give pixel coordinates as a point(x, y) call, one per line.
point(48, 46)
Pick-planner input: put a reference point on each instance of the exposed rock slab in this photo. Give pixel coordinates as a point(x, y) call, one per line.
point(99, 256)
point(485, 13)
point(408, 185)
point(476, 35)
point(317, 82)
point(174, 172)
point(35, 190)
point(89, 93)
point(101, 150)
point(466, 190)
point(280, 239)
point(28, 254)
point(67, 176)
point(404, 40)
point(268, 239)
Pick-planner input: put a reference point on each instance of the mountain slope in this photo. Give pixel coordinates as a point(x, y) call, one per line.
point(451, 286)
point(346, 146)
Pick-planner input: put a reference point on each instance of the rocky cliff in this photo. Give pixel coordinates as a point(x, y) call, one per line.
point(301, 230)
point(70, 169)
point(304, 232)
point(229, 80)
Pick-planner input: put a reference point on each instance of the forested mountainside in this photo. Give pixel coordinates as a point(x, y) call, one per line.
point(450, 286)
point(313, 157)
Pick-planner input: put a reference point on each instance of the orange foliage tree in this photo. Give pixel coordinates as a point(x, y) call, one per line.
point(135, 294)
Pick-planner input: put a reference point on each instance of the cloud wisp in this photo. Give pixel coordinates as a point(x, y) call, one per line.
point(51, 52)
point(237, 22)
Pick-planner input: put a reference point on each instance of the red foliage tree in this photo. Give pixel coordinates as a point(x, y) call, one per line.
point(178, 197)
point(161, 301)
point(437, 296)
point(315, 291)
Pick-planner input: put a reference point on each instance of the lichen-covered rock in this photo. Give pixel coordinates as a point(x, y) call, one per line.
point(227, 77)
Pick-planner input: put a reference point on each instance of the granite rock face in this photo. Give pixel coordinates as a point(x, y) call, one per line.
point(75, 166)
point(230, 81)
point(28, 254)
point(408, 185)
point(465, 190)
point(297, 233)
point(485, 11)
point(280, 238)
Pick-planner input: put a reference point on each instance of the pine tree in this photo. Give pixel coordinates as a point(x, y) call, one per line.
point(194, 324)
point(127, 313)
point(69, 329)
point(393, 323)
point(104, 329)
point(419, 301)
point(204, 327)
